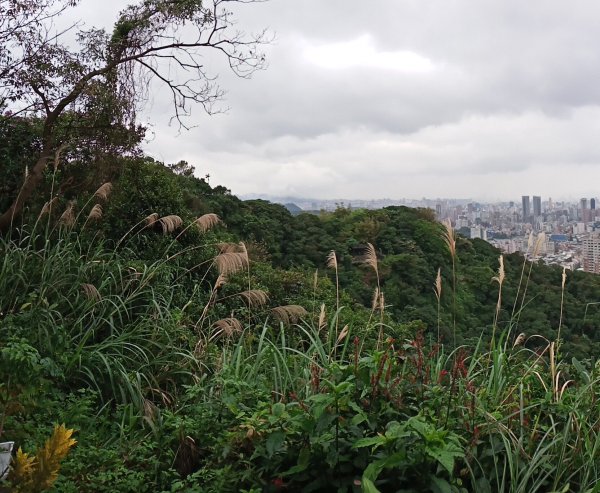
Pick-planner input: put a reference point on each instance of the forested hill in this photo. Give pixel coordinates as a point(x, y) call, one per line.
point(408, 242)
point(198, 342)
point(410, 249)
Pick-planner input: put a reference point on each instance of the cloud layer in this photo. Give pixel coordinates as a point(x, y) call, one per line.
point(405, 98)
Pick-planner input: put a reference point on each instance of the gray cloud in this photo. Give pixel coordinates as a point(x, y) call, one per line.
point(404, 98)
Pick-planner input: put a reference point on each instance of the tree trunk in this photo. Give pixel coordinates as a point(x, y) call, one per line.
point(31, 183)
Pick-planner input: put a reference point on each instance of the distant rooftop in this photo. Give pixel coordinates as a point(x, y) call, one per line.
point(558, 237)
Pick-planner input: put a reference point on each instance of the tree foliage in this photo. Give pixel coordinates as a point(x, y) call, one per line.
point(98, 85)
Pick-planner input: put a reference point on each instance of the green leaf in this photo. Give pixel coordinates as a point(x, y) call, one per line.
point(369, 442)
point(483, 485)
point(368, 486)
point(439, 485)
point(302, 465)
point(274, 442)
point(278, 409)
point(358, 419)
point(419, 426)
point(579, 367)
point(445, 456)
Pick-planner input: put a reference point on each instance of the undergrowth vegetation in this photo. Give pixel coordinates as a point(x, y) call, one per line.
point(205, 370)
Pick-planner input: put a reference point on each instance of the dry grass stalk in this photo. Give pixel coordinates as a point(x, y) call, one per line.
point(289, 314)
point(553, 374)
point(255, 297)
point(150, 410)
point(519, 340)
point(438, 295)
point(500, 280)
point(220, 282)
point(438, 285)
point(95, 214)
point(231, 262)
point(315, 280)
point(104, 191)
point(57, 156)
point(378, 302)
point(530, 241)
point(228, 247)
point(151, 219)
point(170, 223)
point(228, 326)
point(375, 301)
point(343, 334)
point(67, 218)
point(332, 262)
point(244, 250)
point(47, 208)
point(91, 292)
point(501, 274)
point(369, 258)
point(539, 242)
point(322, 317)
point(449, 237)
point(562, 300)
point(529, 245)
point(207, 222)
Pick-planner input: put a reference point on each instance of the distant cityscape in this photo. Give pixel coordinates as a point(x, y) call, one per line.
point(565, 234)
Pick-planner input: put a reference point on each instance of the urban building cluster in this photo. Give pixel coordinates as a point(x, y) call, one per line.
point(558, 233)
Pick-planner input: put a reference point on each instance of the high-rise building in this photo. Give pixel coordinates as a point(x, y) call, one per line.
point(584, 213)
point(591, 253)
point(526, 207)
point(593, 204)
point(537, 206)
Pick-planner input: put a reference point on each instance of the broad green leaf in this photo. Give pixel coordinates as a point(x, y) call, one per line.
point(445, 456)
point(274, 442)
point(369, 441)
point(439, 485)
point(368, 486)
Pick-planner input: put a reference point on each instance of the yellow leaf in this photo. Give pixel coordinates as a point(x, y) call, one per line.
point(21, 471)
point(49, 457)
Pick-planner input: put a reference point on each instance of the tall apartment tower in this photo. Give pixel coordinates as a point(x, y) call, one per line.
point(593, 204)
point(584, 215)
point(526, 207)
point(591, 253)
point(537, 206)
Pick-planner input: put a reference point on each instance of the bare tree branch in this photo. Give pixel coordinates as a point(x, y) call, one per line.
point(161, 40)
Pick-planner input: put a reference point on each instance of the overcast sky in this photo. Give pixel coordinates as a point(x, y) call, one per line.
point(487, 99)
